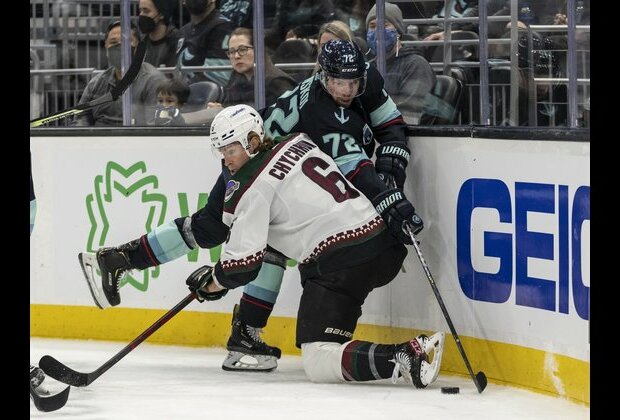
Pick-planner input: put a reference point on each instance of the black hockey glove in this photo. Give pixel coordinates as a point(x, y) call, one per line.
point(396, 210)
point(168, 116)
point(391, 163)
point(200, 279)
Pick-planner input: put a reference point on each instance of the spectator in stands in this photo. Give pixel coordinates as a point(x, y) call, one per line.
point(460, 8)
point(353, 13)
point(337, 29)
point(240, 87)
point(238, 12)
point(154, 22)
point(296, 51)
point(306, 31)
point(293, 13)
point(172, 94)
point(143, 87)
point(550, 97)
point(409, 77)
point(204, 42)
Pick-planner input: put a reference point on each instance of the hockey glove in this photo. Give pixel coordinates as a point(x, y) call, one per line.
point(391, 163)
point(199, 279)
point(396, 210)
point(168, 116)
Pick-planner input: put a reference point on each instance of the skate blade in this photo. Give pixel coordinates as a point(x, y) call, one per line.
point(88, 262)
point(249, 362)
point(430, 371)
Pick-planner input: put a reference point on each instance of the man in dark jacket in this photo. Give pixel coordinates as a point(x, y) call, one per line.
point(204, 41)
point(154, 22)
point(409, 77)
point(143, 88)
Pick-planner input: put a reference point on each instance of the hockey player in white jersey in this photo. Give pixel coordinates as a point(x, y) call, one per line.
point(345, 134)
point(293, 198)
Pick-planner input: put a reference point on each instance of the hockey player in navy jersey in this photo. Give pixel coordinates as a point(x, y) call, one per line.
point(347, 250)
point(345, 109)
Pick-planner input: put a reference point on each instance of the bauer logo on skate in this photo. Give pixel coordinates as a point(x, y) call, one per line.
point(540, 232)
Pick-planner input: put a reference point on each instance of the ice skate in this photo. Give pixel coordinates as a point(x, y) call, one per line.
point(247, 351)
point(412, 359)
point(111, 263)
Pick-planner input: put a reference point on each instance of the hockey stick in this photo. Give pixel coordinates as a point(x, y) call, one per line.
point(49, 402)
point(480, 379)
point(112, 95)
point(65, 374)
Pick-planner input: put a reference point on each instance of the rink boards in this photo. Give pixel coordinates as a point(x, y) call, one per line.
point(507, 239)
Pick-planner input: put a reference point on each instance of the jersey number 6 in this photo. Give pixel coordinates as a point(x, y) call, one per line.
point(330, 181)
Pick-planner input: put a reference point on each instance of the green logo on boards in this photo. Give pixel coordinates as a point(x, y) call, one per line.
point(116, 185)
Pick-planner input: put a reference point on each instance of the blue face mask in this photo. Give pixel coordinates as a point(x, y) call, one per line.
point(391, 36)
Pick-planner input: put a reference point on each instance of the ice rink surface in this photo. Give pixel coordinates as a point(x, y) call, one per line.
point(171, 382)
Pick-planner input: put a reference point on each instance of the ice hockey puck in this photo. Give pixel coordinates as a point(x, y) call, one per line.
point(450, 389)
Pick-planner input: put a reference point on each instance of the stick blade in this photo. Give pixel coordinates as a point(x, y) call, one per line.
point(481, 380)
point(49, 402)
point(62, 373)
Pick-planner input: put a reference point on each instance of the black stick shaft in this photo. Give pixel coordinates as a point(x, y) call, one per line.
point(65, 374)
point(431, 280)
point(146, 334)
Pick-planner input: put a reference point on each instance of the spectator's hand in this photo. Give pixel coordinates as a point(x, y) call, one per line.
point(214, 105)
point(437, 36)
point(560, 19)
point(168, 115)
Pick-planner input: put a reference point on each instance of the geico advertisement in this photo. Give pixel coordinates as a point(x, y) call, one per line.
point(511, 232)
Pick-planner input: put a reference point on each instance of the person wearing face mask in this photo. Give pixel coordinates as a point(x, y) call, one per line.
point(408, 76)
point(203, 42)
point(154, 22)
point(171, 96)
point(143, 88)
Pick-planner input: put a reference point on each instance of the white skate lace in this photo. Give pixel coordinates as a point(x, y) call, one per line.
point(255, 334)
point(118, 275)
point(402, 363)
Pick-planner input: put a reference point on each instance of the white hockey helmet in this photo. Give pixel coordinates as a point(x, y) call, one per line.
point(233, 124)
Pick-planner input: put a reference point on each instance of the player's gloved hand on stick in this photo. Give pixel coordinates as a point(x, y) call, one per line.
point(396, 210)
point(391, 163)
point(198, 282)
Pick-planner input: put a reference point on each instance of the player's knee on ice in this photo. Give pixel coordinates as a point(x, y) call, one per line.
point(323, 361)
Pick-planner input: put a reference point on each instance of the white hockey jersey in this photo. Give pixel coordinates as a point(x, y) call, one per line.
point(294, 199)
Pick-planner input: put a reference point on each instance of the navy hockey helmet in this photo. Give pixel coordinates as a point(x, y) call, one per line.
point(342, 59)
